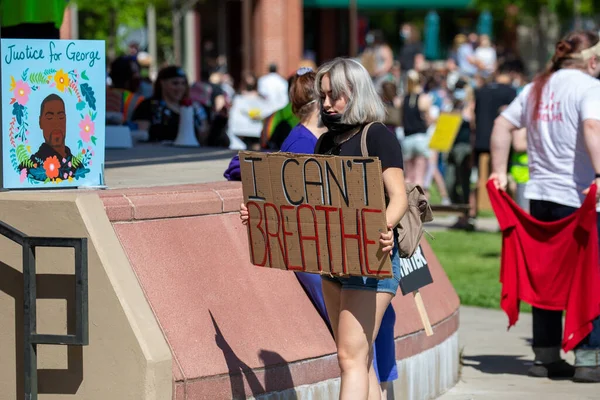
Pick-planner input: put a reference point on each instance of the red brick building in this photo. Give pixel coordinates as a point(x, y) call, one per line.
point(254, 33)
point(251, 34)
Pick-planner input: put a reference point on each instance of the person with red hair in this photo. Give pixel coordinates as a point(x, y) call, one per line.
point(561, 111)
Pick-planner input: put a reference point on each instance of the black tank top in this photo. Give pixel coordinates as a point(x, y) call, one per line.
point(413, 118)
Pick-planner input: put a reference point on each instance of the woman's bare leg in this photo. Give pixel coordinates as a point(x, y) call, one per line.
point(409, 168)
point(360, 317)
point(438, 178)
point(384, 390)
point(374, 388)
point(420, 170)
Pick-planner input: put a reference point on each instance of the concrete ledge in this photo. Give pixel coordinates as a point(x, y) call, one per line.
point(306, 372)
point(138, 204)
point(127, 357)
point(236, 330)
point(423, 376)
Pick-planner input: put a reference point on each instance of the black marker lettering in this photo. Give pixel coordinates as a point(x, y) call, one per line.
point(344, 192)
point(364, 162)
point(285, 191)
point(255, 196)
point(313, 183)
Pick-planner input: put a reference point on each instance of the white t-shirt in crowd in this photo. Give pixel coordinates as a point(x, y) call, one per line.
point(487, 56)
point(246, 115)
point(560, 168)
point(275, 89)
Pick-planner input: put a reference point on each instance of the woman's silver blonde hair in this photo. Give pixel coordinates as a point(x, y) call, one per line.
point(350, 79)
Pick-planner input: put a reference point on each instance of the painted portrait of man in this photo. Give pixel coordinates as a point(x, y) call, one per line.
point(53, 159)
point(53, 124)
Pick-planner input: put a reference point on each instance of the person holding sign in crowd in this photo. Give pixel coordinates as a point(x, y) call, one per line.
point(356, 305)
point(302, 140)
point(561, 112)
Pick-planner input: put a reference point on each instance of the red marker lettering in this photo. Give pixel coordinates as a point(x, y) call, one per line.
point(353, 237)
point(314, 238)
point(273, 234)
point(286, 233)
point(328, 210)
point(259, 227)
point(367, 242)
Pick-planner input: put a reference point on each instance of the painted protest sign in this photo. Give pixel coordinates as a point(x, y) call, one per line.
point(446, 130)
point(414, 272)
point(318, 214)
point(53, 113)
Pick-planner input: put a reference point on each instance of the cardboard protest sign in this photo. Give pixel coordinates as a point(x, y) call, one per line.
point(53, 113)
point(318, 214)
point(446, 130)
point(414, 272)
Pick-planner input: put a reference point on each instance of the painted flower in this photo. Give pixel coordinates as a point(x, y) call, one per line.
point(23, 175)
point(87, 128)
point(51, 166)
point(62, 80)
point(21, 92)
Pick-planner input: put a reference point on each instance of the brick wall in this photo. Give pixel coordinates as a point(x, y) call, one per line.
point(277, 35)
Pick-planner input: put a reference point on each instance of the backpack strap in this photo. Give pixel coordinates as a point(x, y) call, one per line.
point(363, 140)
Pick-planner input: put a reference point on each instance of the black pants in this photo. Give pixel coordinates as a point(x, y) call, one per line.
point(547, 324)
point(458, 173)
point(31, 31)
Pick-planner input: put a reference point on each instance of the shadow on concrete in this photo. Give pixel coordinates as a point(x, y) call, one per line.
point(49, 286)
point(277, 374)
point(496, 364)
point(528, 340)
point(56, 381)
point(155, 154)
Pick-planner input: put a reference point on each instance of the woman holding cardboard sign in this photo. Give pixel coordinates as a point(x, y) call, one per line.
point(356, 305)
point(348, 102)
point(302, 140)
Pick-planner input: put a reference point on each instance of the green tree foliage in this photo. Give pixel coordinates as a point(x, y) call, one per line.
point(100, 19)
point(565, 9)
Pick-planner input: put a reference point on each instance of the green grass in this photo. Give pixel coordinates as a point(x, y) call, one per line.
point(472, 262)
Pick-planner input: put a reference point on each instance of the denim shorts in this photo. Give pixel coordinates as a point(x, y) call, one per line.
point(415, 145)
point(388, 285)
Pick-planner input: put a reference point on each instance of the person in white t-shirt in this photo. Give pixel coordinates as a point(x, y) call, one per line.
point(274, 88)
point(486, 55)
point(561, 111)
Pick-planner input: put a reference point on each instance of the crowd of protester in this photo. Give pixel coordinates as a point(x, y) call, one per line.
point(476, 81)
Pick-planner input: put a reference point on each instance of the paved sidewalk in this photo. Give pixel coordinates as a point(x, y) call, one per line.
point(160, 165)
point(444, 222)
point(495, 362)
